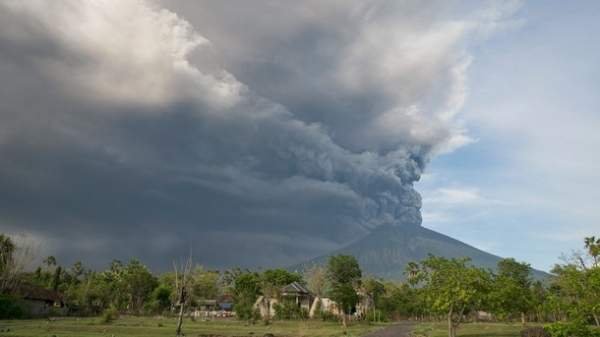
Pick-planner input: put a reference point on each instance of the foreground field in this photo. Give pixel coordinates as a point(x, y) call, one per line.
point(471, 330)
point(149, 327)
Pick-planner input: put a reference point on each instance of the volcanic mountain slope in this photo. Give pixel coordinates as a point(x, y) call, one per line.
point(387, 250)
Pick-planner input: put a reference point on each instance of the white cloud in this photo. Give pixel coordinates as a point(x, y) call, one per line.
point(129, 52)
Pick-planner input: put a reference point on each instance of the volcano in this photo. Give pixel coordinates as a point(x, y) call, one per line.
point(387, 250)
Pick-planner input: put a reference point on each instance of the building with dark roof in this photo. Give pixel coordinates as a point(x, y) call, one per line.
point(40, 302)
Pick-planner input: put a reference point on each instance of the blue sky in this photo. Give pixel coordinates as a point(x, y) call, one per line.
point(528, 186)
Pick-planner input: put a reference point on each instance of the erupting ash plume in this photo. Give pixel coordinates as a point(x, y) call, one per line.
point(286, 134)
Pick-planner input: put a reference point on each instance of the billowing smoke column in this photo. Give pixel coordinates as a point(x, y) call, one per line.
point(124, 131)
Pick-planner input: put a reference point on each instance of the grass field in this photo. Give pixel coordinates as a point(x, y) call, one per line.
point(149, 327)
point(471, 330)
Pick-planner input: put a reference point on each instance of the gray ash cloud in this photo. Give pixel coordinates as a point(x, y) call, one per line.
point(126, 130)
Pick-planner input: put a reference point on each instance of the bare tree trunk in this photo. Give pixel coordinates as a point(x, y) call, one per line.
point(344, 324)
point(596, 319)
point(523, 319)
point(450, 324)
point(181, 311)
point(181, 285)
point(268, 315)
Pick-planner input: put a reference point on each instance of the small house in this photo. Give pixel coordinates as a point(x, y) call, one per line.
point(297, 293)
point(41, 302)
point(294, 292)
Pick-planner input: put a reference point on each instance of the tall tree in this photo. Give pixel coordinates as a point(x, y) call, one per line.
point(578, 283)
point(246, 288)
point(138, 283)
point(593, 248)
point(452, 287)
point(374, 289)
point(344, 275)
point(206, 283)
point(511, 293)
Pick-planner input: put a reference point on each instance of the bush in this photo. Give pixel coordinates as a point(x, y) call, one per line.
point(109, 315)
point(244, 309)
point(327, 316)
point(289, 310)
point(9, 308)
point(572, 329)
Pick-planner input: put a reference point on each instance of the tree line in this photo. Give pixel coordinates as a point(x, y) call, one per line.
point(436, 288)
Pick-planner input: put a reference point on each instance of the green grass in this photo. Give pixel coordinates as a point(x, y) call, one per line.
point(150, 327)
point(471, 330)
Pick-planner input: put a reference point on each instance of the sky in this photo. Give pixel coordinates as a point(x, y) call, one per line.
point(528, 186)
point(266, 133)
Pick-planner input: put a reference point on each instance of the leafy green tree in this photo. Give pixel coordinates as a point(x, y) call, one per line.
point(138, 283)
point(205, 284)
point(452, 287)
point(539, 297)
point(578, 284)
point(161, 298)
point(246, 288)
point(280, 277)
point(90, 295)
point(511, 292)
point(401, 301)
point(344, 275)
point(374, 289)
point(593, 249)
point(579, 291)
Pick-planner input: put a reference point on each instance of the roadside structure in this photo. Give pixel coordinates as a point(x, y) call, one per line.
point(299, 295)
point(41, 302)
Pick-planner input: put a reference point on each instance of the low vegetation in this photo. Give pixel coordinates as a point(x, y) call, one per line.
point(437, 289)
point(471, 330)
point(160, 326)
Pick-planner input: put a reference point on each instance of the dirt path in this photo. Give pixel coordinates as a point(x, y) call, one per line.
point(400, 329)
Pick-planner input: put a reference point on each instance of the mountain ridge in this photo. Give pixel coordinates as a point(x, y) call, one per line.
point(387, 250)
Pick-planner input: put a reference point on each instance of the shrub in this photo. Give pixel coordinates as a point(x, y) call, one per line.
point(244, 309)
point(289, 310)
point(109, 315)
point(9, 308)
point(572, 329)
point(327, 316)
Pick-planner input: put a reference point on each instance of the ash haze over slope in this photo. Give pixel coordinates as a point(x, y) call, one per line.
point(257, 133)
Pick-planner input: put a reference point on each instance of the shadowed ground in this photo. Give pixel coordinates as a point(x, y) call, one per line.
point(400, 329)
